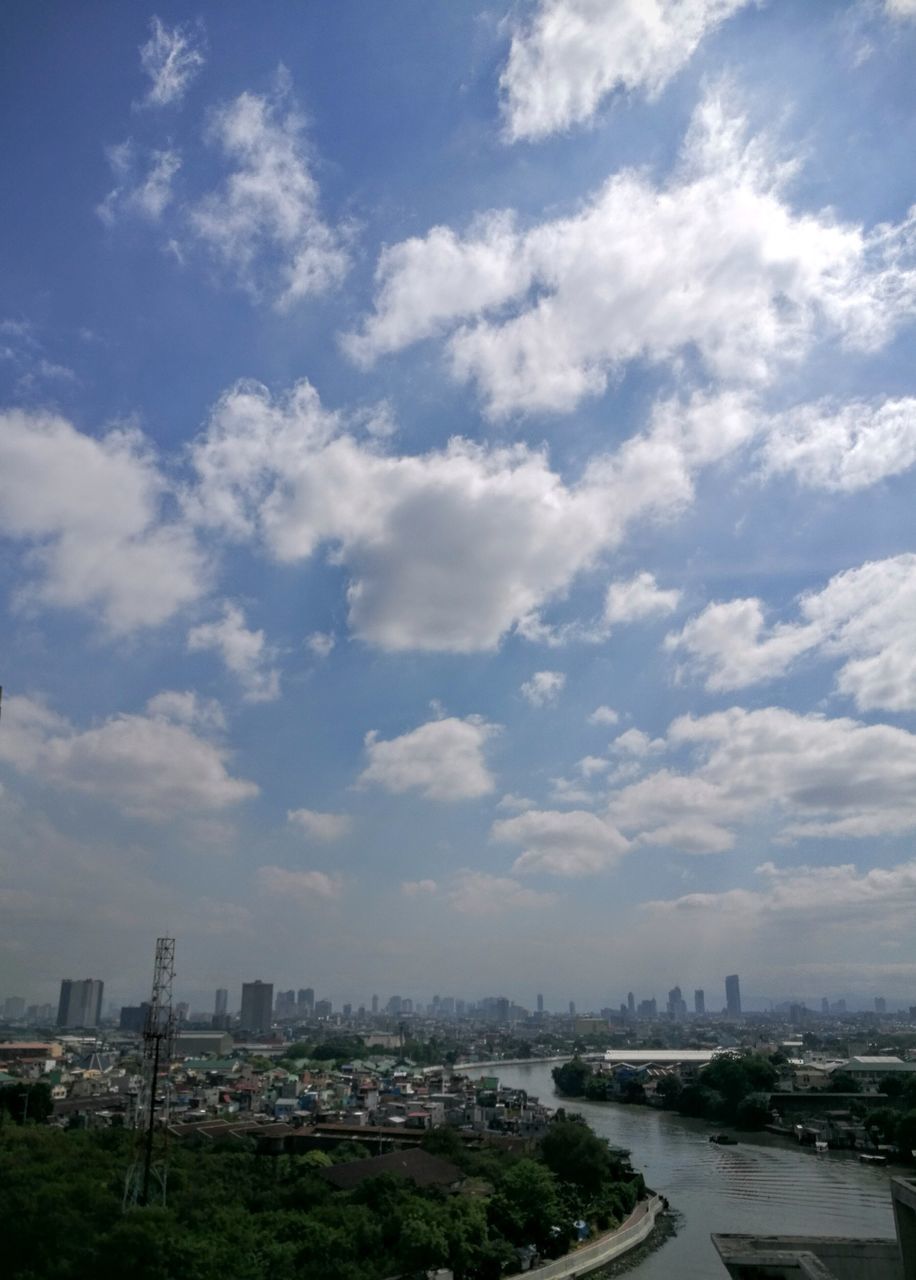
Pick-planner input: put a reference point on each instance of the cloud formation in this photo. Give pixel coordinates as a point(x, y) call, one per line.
point(320, 826)
point(244, 652)
point(564, 844)
point(842, 447)
point(572, 54)
point(298, 887)
point(715, 260)
point(150, 766)
point(92, 513)
point(452, 548)
point(171, 58)
point(264, 223)
point(544, 688)
point(639, 598)
point(864, 616)
point(442, 760)
point(142, 190)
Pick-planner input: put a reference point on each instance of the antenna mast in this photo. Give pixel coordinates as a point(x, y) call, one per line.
point(158, 1050)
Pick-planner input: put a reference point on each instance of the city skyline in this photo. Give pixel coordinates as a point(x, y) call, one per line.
point(456, 491)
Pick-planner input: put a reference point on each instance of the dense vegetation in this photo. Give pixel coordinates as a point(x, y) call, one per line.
point(234, 1215)
point(735, 1089)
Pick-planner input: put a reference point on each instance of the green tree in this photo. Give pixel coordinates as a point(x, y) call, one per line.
point(906, 1135)
point(577, 1156)
point(843, 1082)
point(753, 1111)
point(572, 1077)
point(25, 1101)
point(669, 1089)
point(526, 1207)
point(882, 1125)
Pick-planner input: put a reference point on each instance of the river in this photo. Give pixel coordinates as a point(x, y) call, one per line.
point(762, 1185)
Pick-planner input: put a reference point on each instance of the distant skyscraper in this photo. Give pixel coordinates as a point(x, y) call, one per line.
point(323, 1008)
point(375, 1004)
point(699, 1001)
point(13, 1008)
point(257, 1006)
point(80, 1003)
point(221, 1003)
point(572, 1008)
point(631, 1003)
point(305, 1001)
point(733, 996)
point(880, 1004)
point(825, 1005)
point(540, 1004)
point(677, 1007)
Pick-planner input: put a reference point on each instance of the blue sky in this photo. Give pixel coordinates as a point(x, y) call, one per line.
point(456, 488)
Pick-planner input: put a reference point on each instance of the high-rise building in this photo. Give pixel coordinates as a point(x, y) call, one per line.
point(285, 1006)
point(375, 1004)
point(880, 1004)
point(348, 1011)
point(305, 1001)
point(133, 1017)
point(323, 1008)
point(647, 1008)
point(540, 1004)
point(825, 1005)
point(733, 996)
point(80, 1003)
point(221, 1003)
point(13, 1007)
point(677, 1005)
point(699, 1002)
point(631, 1003)
point(572, 1008)
point(257, 1006)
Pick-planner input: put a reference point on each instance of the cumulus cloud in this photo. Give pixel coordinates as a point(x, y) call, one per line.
point(900, 8)
point(298, 887)
point(714, 261)
point(828, 895)
point(842, 447)
point(150, 766)
point(264, 222)
point(320, 826)
point(866, 616)
point(808, 775)
point(603, 715)
point(544, 688)
point(142, 187)
point(477, 893)
point(171, 58)
point(418, 888)
point(565, 844)
point(639, 598)
point(91, 511)
point(452, 548)
point(634, 742)
point(245, 653)
point(321, 643)
point(442, 760)
point(187, 707)
point(571, 54)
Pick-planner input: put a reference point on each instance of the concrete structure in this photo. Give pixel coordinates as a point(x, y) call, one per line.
point(661, 1057)
point(188, 1044)
point(699, 1002)
point(869, 1071)
point(827, 1257)
point(733, 996)
point(257, 1006)
point(221, 1003)
point(13, 1008)
point(598, 1253)
point(80, 1003)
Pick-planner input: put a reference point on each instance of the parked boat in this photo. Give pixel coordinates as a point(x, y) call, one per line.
point(820, 1145)
point(723, 1140)
point(864, 1158)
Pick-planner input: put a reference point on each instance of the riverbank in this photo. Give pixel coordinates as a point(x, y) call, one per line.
point(607, 1247)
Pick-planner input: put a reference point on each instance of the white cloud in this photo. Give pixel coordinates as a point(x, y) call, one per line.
point(900, 8)
point(866, 616)
point(321, 826)
point(418, 888)
point(91, 511)
point(589, 766)
point(449, 549)
point(828, 895)
point(843, 447)
point(187, 707)
point(808, 775)
point(544, 688)
point(564, 844)
point(264, 222)
point(443, 760)
point(298, 887)
point(571, 54)
point(321, 643)
point(715, 261)
point(147, 195)
point(171, 58)
point(603, 715)
point(245, 653)
point(476, 893)
point(148, 766)
point(640, 597)
point(634, 742)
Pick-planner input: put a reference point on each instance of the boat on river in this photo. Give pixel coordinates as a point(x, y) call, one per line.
point(723, 1140)
point(865, 1158)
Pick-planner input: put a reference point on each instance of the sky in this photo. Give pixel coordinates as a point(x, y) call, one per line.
point(456, 497)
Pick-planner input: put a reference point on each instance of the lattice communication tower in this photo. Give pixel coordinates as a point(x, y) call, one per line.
point(147, 1177)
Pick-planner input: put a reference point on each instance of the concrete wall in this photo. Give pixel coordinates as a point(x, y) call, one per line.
point(607, 1247)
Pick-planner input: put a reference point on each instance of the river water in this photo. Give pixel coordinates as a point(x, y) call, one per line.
point(765, 1184)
